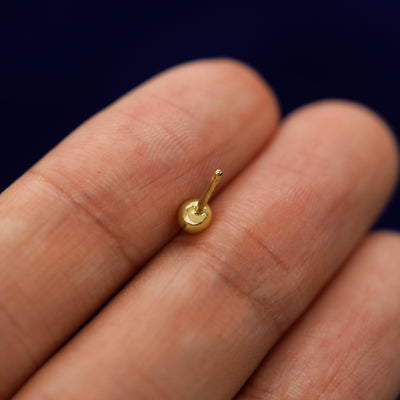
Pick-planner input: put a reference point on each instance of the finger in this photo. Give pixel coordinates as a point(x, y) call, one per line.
point(201, 316)
point(81, 221)
point(347, 345)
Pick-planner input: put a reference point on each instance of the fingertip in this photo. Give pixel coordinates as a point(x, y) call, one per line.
point(383, 244)
point(365, 131)
point(229, 73)
point(239, 70)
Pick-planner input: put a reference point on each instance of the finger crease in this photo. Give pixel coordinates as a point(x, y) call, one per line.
point(86, 210)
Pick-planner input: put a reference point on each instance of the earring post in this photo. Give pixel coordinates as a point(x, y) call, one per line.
point(205, 197)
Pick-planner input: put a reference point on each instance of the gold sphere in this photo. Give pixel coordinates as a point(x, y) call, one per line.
point(191, 220)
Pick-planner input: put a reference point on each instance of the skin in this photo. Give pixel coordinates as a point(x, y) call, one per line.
point(285, 296)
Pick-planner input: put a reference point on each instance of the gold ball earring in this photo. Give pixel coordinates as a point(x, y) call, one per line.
point(194, 216)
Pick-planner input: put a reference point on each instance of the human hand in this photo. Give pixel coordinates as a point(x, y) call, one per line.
point(268, 294)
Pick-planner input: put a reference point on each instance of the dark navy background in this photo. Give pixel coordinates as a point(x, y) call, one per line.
point(61, 61)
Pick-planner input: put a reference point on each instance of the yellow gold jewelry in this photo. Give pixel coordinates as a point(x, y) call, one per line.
point(195, 215)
